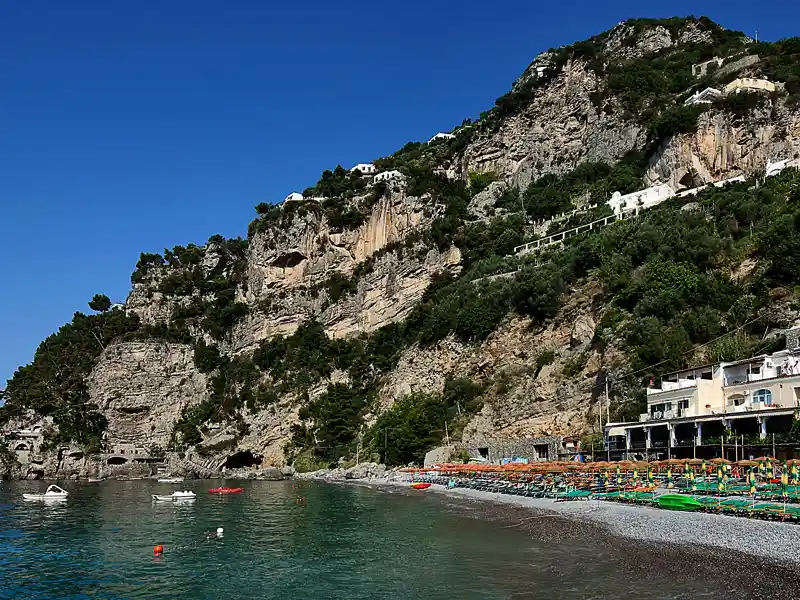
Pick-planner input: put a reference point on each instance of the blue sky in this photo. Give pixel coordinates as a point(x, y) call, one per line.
point(134, 126)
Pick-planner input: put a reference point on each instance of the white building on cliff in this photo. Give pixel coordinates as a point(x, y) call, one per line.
point(365, 168)
point(641, 199)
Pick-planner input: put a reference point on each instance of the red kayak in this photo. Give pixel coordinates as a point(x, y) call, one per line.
point(420, 486)
point(224, 490)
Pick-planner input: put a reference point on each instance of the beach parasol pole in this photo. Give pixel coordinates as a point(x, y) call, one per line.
point(784, 485)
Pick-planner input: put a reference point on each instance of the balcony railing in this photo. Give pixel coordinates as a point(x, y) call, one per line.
point(659, 415)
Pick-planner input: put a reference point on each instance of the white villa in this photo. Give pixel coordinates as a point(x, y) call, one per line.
point(365, 168)
point(749, 397)
point(390, 176)
point(706, 96)
point(441, 136)
point(294, 197)
point(641, 199)
point(777, 167)
point(749, 84)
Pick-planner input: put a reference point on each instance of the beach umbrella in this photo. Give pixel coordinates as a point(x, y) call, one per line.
point(751, 479)
point(720, 482)
point(650, 475)
point(669, 478)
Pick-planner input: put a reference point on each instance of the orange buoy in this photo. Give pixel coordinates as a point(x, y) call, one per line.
point(158, 549)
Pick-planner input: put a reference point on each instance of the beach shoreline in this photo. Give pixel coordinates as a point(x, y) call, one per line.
point(768, 540)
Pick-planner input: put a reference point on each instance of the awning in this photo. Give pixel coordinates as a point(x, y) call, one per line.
point(616, 431)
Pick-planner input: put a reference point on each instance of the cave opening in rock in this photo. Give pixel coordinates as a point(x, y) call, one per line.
point(242, 460)
point(76, 454)
point(116, 460)
point(689, 180)
point(21, 448)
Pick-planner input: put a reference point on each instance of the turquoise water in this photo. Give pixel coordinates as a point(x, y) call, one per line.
point(292, 540)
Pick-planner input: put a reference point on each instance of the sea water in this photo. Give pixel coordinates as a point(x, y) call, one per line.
point(294, 539)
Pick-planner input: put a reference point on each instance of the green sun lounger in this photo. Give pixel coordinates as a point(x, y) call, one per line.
point(678, 502)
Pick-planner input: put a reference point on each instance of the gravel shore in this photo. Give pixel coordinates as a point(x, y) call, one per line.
point(767, 539)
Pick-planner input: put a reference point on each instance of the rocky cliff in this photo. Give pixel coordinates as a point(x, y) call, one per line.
point(414, 284)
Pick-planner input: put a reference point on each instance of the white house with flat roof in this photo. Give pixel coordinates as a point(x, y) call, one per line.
point(441, 136)
point(777, 167)
point(749, 84)
point(388, 176)
point(706, 96)
point(641, 199)
point(365, 168)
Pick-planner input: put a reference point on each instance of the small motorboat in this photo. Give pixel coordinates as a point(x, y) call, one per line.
point(225, 490)
point(96, 479)
point(52, 493)
point(420, 485)
point(170, 480)
point(174, 497)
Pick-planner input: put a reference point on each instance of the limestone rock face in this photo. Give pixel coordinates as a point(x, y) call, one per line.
point(142, 387)
point(482, 204)
point(283, 265)
point(724, 146)
point(560, 129)
point(309, 250)
point(153, 308)
point(388, 293)
point(525, 402)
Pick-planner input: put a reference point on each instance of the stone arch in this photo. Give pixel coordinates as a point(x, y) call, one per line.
point(76, 454)
point(22, 447)
point(116, 460)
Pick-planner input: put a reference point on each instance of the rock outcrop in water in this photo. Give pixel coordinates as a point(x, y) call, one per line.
point(296, 344)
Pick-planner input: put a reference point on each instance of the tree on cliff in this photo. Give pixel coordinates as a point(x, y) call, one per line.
point(100, 303)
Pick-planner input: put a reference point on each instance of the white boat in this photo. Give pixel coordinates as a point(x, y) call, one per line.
point(170, 480)
point(174, 497)
point(96, 479)
point(53, 493)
